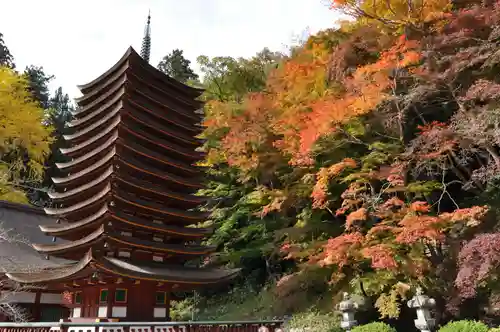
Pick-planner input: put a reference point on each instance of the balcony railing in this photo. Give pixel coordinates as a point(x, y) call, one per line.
point(211, 326)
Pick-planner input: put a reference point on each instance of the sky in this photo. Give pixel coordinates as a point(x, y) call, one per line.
point(77, 40)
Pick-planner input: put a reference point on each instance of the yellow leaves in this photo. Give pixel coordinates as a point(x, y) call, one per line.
point(278, 198)
point(389, 304)
point(395, 14)
point(22, 130)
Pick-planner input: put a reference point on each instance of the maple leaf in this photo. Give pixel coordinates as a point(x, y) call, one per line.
point(356, 216)
point(382, 257)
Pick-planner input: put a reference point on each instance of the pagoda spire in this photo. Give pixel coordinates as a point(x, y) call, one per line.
point(146, 41)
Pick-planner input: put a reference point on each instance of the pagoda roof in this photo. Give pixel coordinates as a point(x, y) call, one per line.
point(22, 224)
point(105, 214)
point(145, 187)
point(131, 57)
point(100, 235)
point(125, 268)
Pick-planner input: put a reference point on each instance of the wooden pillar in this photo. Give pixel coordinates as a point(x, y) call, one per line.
point(37, 311)
point(111, 301)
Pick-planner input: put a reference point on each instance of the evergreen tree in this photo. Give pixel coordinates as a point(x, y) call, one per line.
point(177, 66)
point(6, 59)
point(39, 85)
point(59, 113)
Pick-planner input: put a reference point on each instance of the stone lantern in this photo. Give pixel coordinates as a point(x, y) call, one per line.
point(422, 303)
point(348, 308)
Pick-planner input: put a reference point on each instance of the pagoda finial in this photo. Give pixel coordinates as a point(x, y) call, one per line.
point(146, 41)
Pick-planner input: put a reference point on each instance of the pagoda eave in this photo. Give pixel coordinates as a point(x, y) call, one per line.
point(81, 205)
point(160, 142)
point(63, 229)
point(132, 59)
point(104, 215)
point(180, 124)
point(182, 182)
point(168, 274)
point(59, 197)
point(74, 271)
point(88, 130)
point(113, 95)
point(61, 248)
point(148, 207)
point(170, 230)
point(165, 130)
point(142, 152)
point(153, 191)
point(120, 241)
point(90, 264)
point(80, 161)
point(80, 148)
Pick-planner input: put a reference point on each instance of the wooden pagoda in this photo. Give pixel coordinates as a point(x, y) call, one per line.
point(124, 203)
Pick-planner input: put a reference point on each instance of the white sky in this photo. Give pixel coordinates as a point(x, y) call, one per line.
point(77, 40)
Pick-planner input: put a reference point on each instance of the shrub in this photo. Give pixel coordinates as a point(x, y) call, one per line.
point(374, 327)
point(464, 326)
point(314, 321)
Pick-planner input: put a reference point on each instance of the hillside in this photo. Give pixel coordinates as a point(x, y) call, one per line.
point(365, 160)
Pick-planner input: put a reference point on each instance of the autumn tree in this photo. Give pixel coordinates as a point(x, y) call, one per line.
point(395, 15)
point(366, 160)
point(25, 139)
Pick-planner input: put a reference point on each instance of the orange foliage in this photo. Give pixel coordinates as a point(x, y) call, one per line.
point(358, 215)
point(400, 227)
point(340, 249)
point(320, 189)
point(381, 255)
point(249, 131)
point(301, 104)
point(363, 91)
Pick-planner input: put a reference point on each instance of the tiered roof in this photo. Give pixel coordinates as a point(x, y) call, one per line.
point(130, 183)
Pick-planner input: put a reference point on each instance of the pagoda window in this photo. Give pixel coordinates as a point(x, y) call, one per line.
point(126, 233)
point(157, 239)
point(124, 254)
point(161, 298)
point(77, 298)
point(103, 296)
point(110, 254)
point(157, 258)
point(159, 222)
point(121, 295)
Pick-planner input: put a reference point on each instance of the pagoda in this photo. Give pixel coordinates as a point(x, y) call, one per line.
point(125, 201)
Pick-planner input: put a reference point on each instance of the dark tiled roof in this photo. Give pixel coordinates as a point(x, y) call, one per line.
point(21, 224)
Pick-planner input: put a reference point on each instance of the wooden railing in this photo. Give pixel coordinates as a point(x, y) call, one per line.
point(236, 326)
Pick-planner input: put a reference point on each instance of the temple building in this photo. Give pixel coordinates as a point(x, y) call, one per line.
point(124, 205)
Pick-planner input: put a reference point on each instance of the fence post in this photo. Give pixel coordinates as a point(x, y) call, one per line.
point(422, 303)
point(348, 308)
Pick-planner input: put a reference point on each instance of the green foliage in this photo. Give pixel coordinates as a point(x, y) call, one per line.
point(240, 303)
point(58, 115)
point(228, 79)
point(464, 326)
point(6, 58)
point(374, 327)
point(39, 85)
point(177, 66)
point(315, 321)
